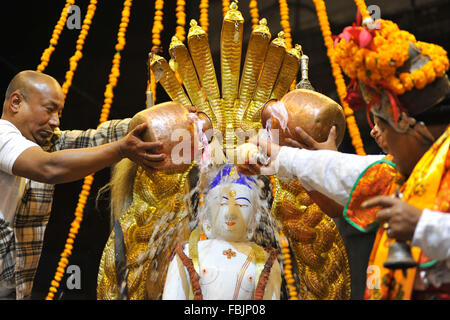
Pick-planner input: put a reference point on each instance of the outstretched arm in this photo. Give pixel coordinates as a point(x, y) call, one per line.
point(69, 165)
point(331, 173)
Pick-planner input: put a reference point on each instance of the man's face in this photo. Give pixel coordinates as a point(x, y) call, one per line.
point(232, 212)
point(404, 147)
point(40, 111)
point(376, 135)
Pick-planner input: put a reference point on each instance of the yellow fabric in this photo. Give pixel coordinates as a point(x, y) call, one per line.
point(420, 190)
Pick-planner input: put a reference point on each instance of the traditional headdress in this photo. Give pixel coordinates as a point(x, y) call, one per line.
point(390, 71)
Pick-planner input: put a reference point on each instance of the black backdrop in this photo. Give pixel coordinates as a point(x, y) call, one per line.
point(26, 29)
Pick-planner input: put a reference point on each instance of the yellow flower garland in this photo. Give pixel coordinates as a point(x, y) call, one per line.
point(45, 58)
point(254, 13)
point(287, 268)
point(285, 24)
point(352, 126)
point(82, 199)
point(181, 20)
point(225, 6)
point(79, 48)
point(204, 19)
point(156, 39)
point(157, 24)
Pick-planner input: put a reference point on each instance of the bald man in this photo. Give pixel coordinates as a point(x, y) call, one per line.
point(28, 126)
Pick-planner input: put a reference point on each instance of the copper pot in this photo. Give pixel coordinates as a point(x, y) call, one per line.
point(173, 125)
point(312, 111)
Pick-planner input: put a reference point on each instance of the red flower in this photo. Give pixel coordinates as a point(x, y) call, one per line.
point(354, 98)
point(360, 35)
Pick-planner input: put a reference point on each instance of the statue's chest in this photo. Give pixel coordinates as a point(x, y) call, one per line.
point(226, 272)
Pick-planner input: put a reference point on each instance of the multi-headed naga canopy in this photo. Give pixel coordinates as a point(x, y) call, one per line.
point(269, 70)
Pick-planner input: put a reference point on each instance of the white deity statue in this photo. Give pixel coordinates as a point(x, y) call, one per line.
point(227, 265)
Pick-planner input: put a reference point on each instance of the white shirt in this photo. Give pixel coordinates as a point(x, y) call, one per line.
point(12, 144)
point(331, 173)
point(334, 173)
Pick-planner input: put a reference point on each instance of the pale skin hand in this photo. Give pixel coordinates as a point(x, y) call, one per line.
point(74, 164)
point(400, 215)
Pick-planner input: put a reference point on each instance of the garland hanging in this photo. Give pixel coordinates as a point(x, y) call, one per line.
point(79, 48)
point(254, 13)
point(156, 40)
point(180, 32)
point(352, 126)
point(225, 6)
point(287, 267)
point(45, 58)
point(82, 199)
point(285, 24)
point(204, 18)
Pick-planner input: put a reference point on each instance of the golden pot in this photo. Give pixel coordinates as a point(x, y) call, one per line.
point(177, 128)
point(312, 111)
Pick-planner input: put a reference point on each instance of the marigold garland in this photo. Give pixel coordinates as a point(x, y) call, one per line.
point(79, 48)
point(254, 13)
point(285, 24)
point(352, 126)
point(82, 199)
point(180, 32)
point(45, 58)
point(156, 39)
point(287, 268)
point(225, 6)
point(204, 18)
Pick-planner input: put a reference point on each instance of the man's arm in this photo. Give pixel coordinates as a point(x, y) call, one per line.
point(331, 173)
point(108, 131)
point(69, 165)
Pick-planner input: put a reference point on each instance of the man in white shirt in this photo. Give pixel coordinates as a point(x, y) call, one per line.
point(32, 106)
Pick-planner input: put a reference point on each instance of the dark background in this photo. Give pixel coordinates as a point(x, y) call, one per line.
point(26, 28)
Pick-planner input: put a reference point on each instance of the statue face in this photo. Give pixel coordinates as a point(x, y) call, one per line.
point(230, 213)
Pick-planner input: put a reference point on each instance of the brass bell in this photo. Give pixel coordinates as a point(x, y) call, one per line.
point(400, 256)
